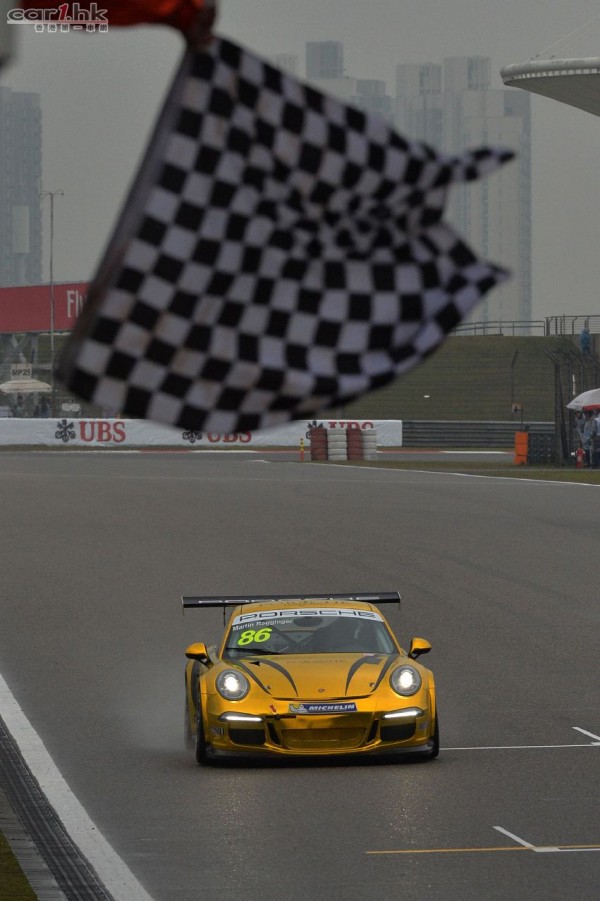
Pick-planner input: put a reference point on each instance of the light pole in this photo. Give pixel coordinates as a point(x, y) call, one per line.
point(52, 195)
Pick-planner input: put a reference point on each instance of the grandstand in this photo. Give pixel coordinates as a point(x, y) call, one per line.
point(493, 378)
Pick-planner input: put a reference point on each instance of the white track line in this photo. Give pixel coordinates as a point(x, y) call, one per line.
point(592, 744)
point(111, 870)
point(539, 849)
point(515, 838)
point(521, 747)
point(589, 734)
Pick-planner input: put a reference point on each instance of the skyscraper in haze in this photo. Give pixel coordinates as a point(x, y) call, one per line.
point(286, 61)
point(372, 96)
point(453, 106)
point(324, 59)
point(325, 69)
point(20, 186)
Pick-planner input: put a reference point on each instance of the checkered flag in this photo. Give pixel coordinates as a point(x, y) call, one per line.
point(280, 252)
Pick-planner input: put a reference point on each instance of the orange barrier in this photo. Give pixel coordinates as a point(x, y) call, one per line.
point(521, 448)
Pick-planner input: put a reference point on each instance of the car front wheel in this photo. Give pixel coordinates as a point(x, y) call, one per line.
point(188, 738)
point(436, 740)
point(201, 755)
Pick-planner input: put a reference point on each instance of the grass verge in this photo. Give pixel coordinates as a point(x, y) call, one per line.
point(13, 884)
point(508, 470)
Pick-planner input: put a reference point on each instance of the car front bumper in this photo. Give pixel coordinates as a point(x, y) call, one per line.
point(349, 734)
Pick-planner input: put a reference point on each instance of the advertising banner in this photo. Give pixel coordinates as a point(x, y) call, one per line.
point(133, 433)
point(29, 308)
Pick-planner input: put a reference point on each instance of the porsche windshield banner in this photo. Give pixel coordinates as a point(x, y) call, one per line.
point(260, 615)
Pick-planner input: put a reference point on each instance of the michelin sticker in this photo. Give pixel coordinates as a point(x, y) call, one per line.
point(322, 708)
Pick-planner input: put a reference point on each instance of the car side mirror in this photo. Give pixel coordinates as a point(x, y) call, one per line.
point(198, 651)
point(418, 646)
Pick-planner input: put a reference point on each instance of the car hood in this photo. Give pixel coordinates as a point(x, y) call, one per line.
point(320, 676)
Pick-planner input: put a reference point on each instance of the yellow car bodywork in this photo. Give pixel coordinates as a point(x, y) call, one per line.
point(307, 704)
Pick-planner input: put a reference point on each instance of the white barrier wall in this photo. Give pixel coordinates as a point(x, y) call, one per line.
point(134, 433)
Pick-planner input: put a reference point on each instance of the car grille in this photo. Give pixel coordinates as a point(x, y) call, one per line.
point(322, 739)
point(398, 732)
point(247, 736)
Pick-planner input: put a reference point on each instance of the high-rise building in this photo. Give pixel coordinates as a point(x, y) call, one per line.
point(20, 186)
point(371, 96)
point(325, 70)
point(324, 59)
point(420, 102)
point(452, 106)
point(286, 61)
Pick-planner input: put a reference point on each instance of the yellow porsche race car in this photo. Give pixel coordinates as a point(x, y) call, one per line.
point(319, 675)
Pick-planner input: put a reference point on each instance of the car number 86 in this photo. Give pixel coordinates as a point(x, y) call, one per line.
point(250, 635)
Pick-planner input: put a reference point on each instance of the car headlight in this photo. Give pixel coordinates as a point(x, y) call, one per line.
point(405, 680)
point(232, 685)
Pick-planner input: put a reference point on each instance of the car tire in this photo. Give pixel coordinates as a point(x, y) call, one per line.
point(188, 738)
point(436, 740)
point(201, 752)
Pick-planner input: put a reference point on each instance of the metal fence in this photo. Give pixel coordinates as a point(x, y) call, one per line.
point(571, 325)
point(480, 435)
point(517, 328)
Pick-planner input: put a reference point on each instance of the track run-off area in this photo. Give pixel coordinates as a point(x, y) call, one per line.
point(500, 575)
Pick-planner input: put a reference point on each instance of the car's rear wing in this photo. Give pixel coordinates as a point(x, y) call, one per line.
point(380, 597)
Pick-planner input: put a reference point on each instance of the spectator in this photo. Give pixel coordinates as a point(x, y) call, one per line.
point(596, 453)
point(588, 439)
point(42, 409)
point(585, 340)
point(19, 410)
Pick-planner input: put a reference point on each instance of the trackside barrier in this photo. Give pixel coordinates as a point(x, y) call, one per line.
point(65, 432)
point(340, 444)
point(118, 434)
point(541, 448)
point(467, 433)
point(534, 447)
point(521, 445)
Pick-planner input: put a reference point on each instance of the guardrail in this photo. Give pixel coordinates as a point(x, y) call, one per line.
point(447, 433)
point(570, 325)
point(128, 433)
point(497, 327)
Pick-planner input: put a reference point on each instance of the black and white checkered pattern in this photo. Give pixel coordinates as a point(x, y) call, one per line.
point(280, 253)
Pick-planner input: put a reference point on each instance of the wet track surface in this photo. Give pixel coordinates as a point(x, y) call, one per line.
point(500, 576)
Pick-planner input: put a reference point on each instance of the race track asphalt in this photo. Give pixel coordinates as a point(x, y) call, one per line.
point(501, 576)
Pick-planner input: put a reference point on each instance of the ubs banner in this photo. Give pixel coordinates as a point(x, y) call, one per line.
point(133, 433)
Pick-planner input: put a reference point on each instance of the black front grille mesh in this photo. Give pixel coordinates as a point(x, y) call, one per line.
point(247, 736)
point(397, 732)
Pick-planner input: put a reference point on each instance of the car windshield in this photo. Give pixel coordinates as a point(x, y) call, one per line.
point(325, 631)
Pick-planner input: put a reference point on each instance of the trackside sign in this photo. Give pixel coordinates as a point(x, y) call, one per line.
point(29, 308)
point(66, 432)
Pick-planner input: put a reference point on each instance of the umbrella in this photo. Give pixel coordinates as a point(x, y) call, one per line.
point(589, 400)
point(25, 386)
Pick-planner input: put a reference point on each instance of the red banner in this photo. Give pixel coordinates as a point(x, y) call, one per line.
point(28, 308)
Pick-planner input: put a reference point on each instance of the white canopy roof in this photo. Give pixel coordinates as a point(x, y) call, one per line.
point(25, 386)
point(575, 82)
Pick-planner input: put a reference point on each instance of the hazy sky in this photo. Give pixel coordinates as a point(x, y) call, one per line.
point(100, 94)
